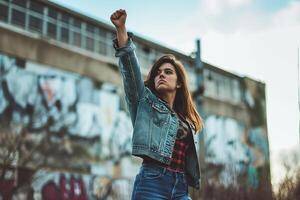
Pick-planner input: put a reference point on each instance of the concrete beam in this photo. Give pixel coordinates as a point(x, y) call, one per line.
point(226, 109)
point(32, 47)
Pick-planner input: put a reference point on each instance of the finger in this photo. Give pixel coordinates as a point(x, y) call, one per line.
point(115, 15)
point(112, 17)
point(123, 11)
point(119, 14)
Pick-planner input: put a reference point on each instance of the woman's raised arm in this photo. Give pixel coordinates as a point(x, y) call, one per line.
point(128, 63)
point(118, 18)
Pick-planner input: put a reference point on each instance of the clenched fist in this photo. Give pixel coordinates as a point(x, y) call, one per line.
point(118, 18)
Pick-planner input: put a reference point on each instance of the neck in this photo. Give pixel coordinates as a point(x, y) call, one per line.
point(169, 98)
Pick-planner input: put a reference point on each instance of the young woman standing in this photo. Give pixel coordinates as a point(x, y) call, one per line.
point(164, 119)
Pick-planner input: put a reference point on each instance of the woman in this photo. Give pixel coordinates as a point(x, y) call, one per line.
point(164, 119)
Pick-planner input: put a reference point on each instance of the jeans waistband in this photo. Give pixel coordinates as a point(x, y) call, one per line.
point(163, 170)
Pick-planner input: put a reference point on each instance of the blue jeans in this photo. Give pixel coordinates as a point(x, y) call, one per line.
point(158, 183)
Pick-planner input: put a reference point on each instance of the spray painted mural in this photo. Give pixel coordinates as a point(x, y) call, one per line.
point(65, 104)
point(226, 154)
point(257, 134)
point(66, 121)
point(237, 153)
point(67, 186)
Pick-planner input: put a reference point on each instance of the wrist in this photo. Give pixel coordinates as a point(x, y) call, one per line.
point(121, 28)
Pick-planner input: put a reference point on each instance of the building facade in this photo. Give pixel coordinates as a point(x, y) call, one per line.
point(64, 124)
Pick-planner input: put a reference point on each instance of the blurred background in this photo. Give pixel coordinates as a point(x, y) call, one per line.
point(65, 131)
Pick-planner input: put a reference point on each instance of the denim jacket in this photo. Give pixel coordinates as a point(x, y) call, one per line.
point(154, 123)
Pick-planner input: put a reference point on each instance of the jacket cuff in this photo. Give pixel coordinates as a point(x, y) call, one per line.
point(129, 46)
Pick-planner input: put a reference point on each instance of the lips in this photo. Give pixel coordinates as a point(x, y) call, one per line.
point(161, 81)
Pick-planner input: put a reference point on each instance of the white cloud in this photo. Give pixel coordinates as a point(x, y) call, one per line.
point(288, 16)
point(217, 7)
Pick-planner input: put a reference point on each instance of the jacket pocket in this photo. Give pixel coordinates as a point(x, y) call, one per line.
point(160, 114)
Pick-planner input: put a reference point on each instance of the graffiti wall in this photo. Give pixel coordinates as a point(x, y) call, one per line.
point(68, 186)
point(226, 153)
point(67, 122)
point(238, 153)
point(257, 133)
point(47, 100)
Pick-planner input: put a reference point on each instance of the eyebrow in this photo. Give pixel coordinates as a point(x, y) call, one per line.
point(167, 68)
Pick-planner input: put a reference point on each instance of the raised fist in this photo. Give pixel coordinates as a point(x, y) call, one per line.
point(118, 18)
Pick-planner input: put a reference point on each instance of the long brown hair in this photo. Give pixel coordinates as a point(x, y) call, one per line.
point(183, 103)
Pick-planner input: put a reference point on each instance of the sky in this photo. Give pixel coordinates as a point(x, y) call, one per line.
point(254, 38)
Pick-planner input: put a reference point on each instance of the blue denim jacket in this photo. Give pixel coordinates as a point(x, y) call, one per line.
point(154, 123)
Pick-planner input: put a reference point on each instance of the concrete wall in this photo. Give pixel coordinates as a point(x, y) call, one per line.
point(18, 43)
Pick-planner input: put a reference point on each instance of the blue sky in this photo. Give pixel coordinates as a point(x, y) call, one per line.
point(256, 38)
point(270, 6)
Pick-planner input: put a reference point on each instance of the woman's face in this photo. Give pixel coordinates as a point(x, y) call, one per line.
point(165, 79)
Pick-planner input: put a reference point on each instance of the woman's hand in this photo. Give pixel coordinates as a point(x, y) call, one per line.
point(118, 18)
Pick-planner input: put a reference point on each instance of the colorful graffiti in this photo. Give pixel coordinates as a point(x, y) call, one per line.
point(80, 124)
point(69, 186)
point(64, 104)
point(72, 187)
point(238, 153)
point(257, 134)
point(226, 153)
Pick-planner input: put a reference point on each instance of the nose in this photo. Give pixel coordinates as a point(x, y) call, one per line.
point(161, 74)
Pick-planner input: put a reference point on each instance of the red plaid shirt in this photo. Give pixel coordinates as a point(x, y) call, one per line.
point(182, 143)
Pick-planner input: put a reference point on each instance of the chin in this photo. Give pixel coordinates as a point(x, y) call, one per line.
point(162, 90)
point(159, 90)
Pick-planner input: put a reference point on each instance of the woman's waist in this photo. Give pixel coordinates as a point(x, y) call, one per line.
point(147, 161)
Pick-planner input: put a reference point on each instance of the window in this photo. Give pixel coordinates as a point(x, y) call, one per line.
point(90, 43)
point(64, 35)
point(36, 7)
point(52, 13)
point(90, 28)
point(18, 18)
point(101, 47)
point(210, 81)
point(76, 32)
point(51, 30)
point(101, 33)
point(35, 24)
point(3, 13)
point(65, 19)
point(76, 39)
point(21, 3)
point(76, 23)
point(236, 90)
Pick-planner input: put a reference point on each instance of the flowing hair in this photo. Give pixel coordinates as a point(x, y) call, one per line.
point(183, 103)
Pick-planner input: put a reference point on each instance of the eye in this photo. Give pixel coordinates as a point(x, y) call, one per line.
point(169, 72)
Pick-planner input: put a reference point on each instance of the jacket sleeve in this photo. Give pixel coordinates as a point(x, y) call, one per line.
point(130, 70)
